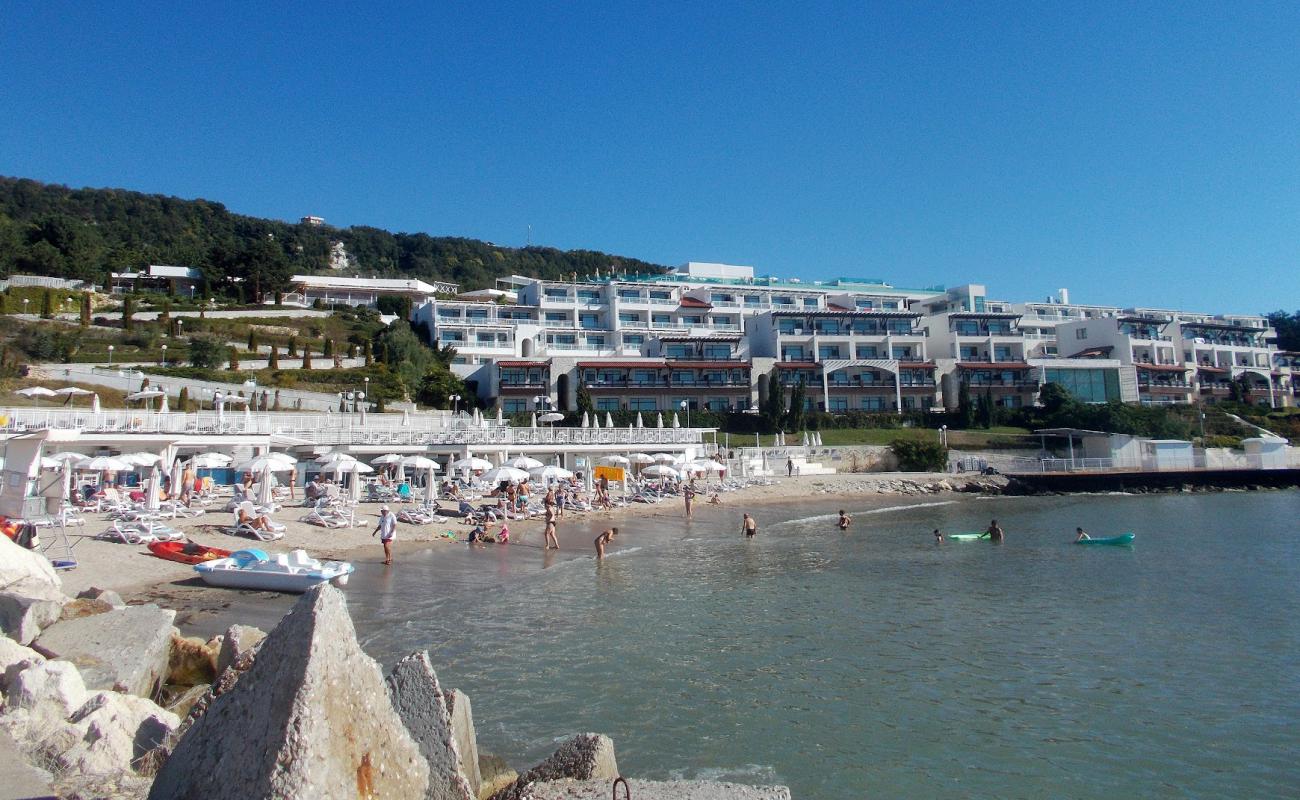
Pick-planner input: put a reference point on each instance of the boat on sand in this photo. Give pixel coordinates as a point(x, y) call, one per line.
point(282, 572)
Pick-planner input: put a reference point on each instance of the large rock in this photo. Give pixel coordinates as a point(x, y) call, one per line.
point(38, 698)
point(22, 617)
point(239, 639)
point(462, 731)
point(28, 573)
point(656, 790)
point(13, 654)
point(108, 596)
point(192, 661)
point(418, 700)
point(310, 719)
point(17, 777)
point(114, 731)
point(585, 757)
point(125, 650)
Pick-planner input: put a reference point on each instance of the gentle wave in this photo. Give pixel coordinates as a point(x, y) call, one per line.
point(886, 509)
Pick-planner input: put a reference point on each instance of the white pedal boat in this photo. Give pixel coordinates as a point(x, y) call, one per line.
point(283, 572)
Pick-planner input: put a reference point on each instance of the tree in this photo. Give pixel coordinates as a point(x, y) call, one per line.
point(438, 384)
point(276, 405)
point(919, 456)
point(128, 311)
point(47, 305)
point(368, 353)
point(183, 399)
point(328, 351)
point(1055, 399)
point(774, 408)
point(965, 411)
point(234, 360)
point(85, 309)
point(273, 360)
point(796, 414)
point(252, 340)
point(206, 352)
point(293, 347)
point(165, 315)
point(585, 406)
point(1288, 329)
point(306, 356)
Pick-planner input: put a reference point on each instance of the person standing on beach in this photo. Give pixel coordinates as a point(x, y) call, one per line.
point(387, 530)
point(549, 531)
point(749, 526)
point(606, 536)
point(187, 484)
point(995, 532)
point(789, 467)
point(688, 496)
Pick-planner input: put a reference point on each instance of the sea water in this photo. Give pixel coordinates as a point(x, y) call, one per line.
point(877, 663)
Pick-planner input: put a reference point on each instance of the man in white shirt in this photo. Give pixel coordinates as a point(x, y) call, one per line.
point(387, 530)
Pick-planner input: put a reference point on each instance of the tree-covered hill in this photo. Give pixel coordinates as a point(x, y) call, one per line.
point(47, 229)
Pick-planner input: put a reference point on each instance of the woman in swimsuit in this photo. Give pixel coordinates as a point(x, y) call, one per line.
point(606, 536)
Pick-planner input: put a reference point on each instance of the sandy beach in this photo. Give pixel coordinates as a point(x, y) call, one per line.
point(140, 577)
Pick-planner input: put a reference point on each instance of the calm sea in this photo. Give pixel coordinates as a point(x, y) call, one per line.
point(877, 664)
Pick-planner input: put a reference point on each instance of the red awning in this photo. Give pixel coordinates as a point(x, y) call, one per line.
point(998, 365)
point(623, 364)
point(709, 364)
point(1161, 367)
point(692, 302)
point(1204, 368)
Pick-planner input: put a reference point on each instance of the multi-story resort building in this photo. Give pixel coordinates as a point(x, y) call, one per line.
point(715, 336)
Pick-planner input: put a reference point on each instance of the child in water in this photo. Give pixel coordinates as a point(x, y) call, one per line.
point(845, 520)
point(503, 535)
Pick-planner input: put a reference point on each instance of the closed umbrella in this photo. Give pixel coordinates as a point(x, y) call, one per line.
point(659, 422)
point(401, 473)
point(94, 404)
point(609, 420)
point(524, 462)
point(176, 477)
point(639, 422)
point(586, 423)
point(151, 496)
point(355, 469)
point(500, 418)
point(676, 424)
point(505, 474)
point(263, 466)
point(162, 406)
point(595, 423)
point(533, 424)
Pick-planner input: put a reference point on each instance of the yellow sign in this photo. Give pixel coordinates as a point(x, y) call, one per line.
point(608, 473)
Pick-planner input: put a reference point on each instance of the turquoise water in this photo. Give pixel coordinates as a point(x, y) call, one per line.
point(879, 664)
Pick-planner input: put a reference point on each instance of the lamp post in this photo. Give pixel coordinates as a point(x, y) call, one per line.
point(686, 406)
point(943, 435)
point(25, 302)
point(179, 325)
point(110, 355)
point(367, 384)
point(164, 355)
point(455, 401)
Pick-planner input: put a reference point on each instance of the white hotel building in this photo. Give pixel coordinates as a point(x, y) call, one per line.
point(715, 336)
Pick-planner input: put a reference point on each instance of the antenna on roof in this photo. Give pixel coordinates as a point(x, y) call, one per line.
point(529, 240)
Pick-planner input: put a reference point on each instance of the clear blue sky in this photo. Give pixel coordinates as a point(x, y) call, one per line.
point(1137, 153)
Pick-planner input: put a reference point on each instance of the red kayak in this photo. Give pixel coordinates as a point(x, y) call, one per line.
point(187, 552)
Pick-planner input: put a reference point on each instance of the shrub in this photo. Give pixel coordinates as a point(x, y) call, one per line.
point(206, 352)
point(917, 456)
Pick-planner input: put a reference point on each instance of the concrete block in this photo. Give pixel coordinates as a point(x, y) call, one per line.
point(112, 598)
point(418, 699)
point(125, 650)
point(310, 718)
point(238, 640)
point(22, 617)
point(116, 730)
point(585, 757)
point(462, 730)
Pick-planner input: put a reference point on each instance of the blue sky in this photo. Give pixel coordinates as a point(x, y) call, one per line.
point(1136, 153)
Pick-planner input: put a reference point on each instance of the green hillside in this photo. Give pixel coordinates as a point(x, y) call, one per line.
point(47, 229)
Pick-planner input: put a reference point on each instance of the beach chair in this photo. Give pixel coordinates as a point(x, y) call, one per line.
point(178, 509)
point(326, 515)
point(404, 493)
point(126, 534)
point(246, 529)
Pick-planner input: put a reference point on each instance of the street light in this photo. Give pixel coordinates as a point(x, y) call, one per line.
point(25, 302)
point(164, 355)
point(454, 400)
point(685, 406)
point(110, 355)
point(179, 323)
point(367, 392)
point(542, 402)
point(943, 435)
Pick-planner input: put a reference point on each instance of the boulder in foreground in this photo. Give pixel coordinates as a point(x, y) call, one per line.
point(418, 700)
point(125, 650)
point(28, 573)
point(587, 756)
point(310, 719)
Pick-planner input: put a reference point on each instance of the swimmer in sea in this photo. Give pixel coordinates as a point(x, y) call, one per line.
point(938, 536)
point(749, 527)
point(1082, 535)
point(606, 536)
point(845, 520)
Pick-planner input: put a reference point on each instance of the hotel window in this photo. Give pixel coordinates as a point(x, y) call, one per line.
point(633, 340)
point(783, 301)
point(866, 351)
point(514, 406)
point(827, 326)
point(902, 353)
point(899, 326)
point(873, 404)
point(792, 353)
point(629, 294)
point(828, 351)
point(691, 403)
point(715, 377)
point(627, 316)
point(486, 338)
point(810, 302)
point(717, 352)
point(787, 325)
point(717, 404)
point(588, 295)
point(449, 313)
point(660, 319)
point(1002, 353)
point(1081, 333)
point(641, 404)
point(645, 377)
point(556, 316)
point(476, 313)
point(596, 342)
point(679, 351)
point(864, 302)
point(683, 377)
point(589, 320)
point(661, 295)
point(967, 328)
point(607, 404)
point(564, 339)
point(557, 294)
point(839, 404)
point(693, 319)
point(721, 298)
point(753, 300)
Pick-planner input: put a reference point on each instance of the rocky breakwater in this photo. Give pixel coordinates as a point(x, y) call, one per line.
point(854, 483)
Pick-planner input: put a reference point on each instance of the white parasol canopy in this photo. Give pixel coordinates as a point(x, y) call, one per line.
point(106, 464)
point(665, 458)
point(429, 466)
point(551, 473)
point(266, 463)
point(210, 461)
point(141, 459)
point(472, 463)
point(551, 416)
point(641, 458)
point(660, 471)
point(617, 461)
point(145, 394)
point(391, 458)
point(72, 390)
point(705, 465)
point(69, 457)
point(334, 458)
point(524, 462)
point(36, 391)
point(505, 474)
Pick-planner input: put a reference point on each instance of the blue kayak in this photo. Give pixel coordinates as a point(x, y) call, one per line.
point(1123, 538)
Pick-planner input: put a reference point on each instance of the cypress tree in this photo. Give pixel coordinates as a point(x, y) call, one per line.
point(273, 360)
point(252, 340)
point(85, 309)
point(128, 311)
point(306, 357)
point(183, 400)
point(328, 351)
point(293, 347)
point(234, 359)
point(47, 305)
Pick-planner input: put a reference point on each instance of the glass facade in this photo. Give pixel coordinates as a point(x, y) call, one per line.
point(1088, 385)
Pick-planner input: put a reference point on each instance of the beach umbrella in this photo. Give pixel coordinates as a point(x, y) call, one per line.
point(355, 469)
point(36, 391)
point(500, 418)
point(284, 457)
point(429, 466)
point(400, 475)
point(641, 458)
point(676, 424)
point(639, 422)
point(51, 463)
point(805, 438)
point(69, 458)
point(524, 462)
point(72, 391)
point(265, 462)
point(505, 474)
point(616, 461)
point(595, 423)
point(660, 471)
point(705, 465)
point(176, 477)
point(659, 420)
point(235, 400)
point(210, 461)
point(391, 458)
point(141, 459)
point(551, 473)
point(106, 464)
point(664, 458)
point(162, 407)
point(533, 424)
point(406, 418)
point(472, 464)
point(586, 423)
point(336, 457)
point(551, 416)
point(151, 497)
point(145, 394)
point(94, 404)
point(609, 420)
